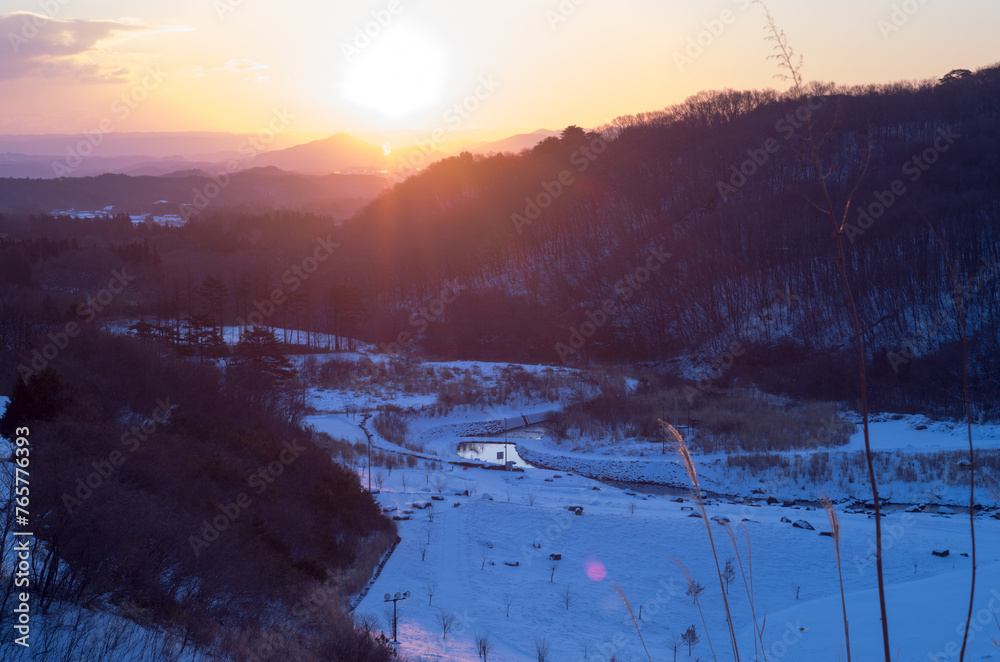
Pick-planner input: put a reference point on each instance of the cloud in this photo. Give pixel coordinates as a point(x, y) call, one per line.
point(39, 46)
point(244, 66)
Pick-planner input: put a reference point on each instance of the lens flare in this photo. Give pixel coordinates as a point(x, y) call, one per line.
point(596, 571)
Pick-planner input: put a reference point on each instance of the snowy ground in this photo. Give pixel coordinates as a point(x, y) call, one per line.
point(468, 549)
point(482, 553)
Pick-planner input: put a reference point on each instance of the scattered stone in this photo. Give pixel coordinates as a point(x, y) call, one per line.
point(678, 499)
point(720, 519)
point(785, 520)
point(596, 488)
point(771, 501)
point(400, 518)
point(942, 554)
point(698, 515)
point(487, 496)
point(513, 565)
point(555, 557)
point(826, 533)
point(437, 497)
point(945, 510)
point(802, 524)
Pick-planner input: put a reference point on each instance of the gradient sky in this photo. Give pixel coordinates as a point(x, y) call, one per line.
point(226, 65)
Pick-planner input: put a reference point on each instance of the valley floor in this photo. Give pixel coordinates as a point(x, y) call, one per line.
point(480, 552)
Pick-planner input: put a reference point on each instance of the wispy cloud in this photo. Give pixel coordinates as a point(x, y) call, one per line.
point(39, 46)
point(250, 68)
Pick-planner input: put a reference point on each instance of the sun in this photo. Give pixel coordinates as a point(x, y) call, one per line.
point(402, 71)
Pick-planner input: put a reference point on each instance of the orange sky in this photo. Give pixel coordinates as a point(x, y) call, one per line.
point(227, 65)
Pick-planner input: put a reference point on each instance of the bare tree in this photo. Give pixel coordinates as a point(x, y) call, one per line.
point(473, 488)
point(484, 645)
point(531, 498)
point(690, 637)
point(673, 644)
point(431, 587)
point(507, 600)
point(694, 589)
point(552, 568)
point(402, 476)
point(729, 573)
point(566, 596)
point(368, 623)
point(379, 479)
point(447, 621)
point(439, 483)
point(541, 648)
point(423, 552)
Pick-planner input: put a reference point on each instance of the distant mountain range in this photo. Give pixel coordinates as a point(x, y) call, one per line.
point(50, 157)
point(336, 175)
point(188, 191)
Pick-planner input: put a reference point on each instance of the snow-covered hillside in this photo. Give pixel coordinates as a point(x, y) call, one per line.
point(480, 541)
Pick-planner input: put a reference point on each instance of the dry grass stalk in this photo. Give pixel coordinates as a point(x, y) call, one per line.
point(692, 473)
point(621, 593)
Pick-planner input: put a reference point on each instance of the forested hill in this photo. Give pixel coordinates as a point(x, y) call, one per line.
point(671, 235)
point(541, 240)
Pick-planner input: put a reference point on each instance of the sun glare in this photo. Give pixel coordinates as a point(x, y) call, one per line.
point(401, 72)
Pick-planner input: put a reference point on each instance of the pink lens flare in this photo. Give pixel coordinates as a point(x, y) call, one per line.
point(596, 571)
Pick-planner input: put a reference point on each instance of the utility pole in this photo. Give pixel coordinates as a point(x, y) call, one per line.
point(368, 434)
point(394, 599)
point(506, 459)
